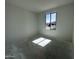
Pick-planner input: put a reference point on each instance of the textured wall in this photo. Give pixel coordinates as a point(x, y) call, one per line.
point(19, 22)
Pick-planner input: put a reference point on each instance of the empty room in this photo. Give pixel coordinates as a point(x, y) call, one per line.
point(39, 29)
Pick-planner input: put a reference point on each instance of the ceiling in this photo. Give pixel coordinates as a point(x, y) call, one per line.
point(38, 5)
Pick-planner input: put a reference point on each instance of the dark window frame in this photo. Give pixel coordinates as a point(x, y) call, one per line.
point(50, 20)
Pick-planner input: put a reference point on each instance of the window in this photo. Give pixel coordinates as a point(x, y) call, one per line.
point(51, 21)
point(41, 41)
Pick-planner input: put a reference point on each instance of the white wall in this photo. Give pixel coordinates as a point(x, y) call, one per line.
point(64, 27)
point(19, 23)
